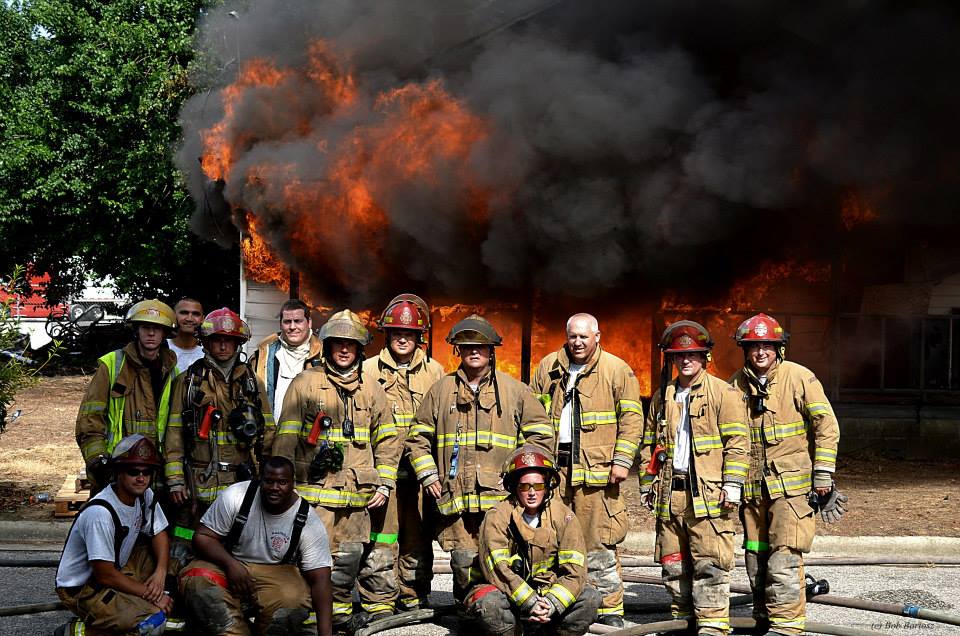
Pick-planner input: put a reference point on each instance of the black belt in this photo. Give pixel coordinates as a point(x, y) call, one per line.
point(680, 482)
point(563, 455)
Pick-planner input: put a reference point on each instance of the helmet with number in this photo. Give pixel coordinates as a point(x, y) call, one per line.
point(685, 335)
point(136, 450)
point(393, 315)
point(528, 458)
point(475, 330)
point(760, 328)
point(154, 312)
point(346, 324)
point(224, 322)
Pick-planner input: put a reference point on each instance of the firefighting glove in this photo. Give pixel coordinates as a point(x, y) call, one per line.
point(822, 479)
point(99, 470)
point(832, 506)
point(647, 497)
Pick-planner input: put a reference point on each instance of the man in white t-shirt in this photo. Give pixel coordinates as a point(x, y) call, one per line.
point(104, 576)
point(261, 549)
point(185, 344)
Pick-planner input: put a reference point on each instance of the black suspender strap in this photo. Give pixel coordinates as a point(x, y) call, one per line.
point(120, 531)
point(298, 523)
point(233, 537)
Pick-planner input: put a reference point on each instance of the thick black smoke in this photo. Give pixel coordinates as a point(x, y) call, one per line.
point(635, 144)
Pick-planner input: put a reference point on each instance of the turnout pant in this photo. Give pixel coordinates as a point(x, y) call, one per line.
point(776, 533)
point(696, 557)
point(103, 610)
point(460, 536)
point(496, 615)
point(377, 582)
point(281, 605)
point(349, 532)
point(603, 517)
point(415, 562)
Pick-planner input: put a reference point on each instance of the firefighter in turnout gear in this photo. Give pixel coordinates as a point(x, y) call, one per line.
point(282, 356)
point(130, 391)
point(406, 373)
point(533, 556)
point(696, 445)
point(336, 428)
point(593, 399)
point(217, 424)
point(468, 424)
point(789, 415)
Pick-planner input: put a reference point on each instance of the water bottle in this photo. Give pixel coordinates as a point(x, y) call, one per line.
point(152, 625)
point(43, 497)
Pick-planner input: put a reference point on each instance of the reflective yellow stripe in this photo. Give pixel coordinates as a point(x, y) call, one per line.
point(733, 428)
point(173, 469)
point(93, 447)
point(377, 607)
point(606, 611)
point(714, 622)
point(209, 495)
point(791, 429)
point(646, 480)
point(422, 429)
point(583, 475)
point(470, 503)
point(92, 407)
point(384, 432)
point(735, 469)
point(626, 447)
point(562, 594)
point(522, 593)
point(387, 472)
point(571, 556)
point(290, 427)
point(543, 429)
point(333, 497)
point(598, 417)
point(341, 609)
point(403, 419)
point(424, 465)
point(472, 438)
point(629, 406)
point(818, 408)
point(649, 437)
point(825, 456)
point(497, 556)
point(707, 442)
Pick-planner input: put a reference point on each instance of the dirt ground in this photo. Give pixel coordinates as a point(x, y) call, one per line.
point(887, 497)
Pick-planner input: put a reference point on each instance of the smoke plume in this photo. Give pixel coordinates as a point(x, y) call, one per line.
point(582, 149)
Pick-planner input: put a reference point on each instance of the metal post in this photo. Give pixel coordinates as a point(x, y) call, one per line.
point(883, 352)
point(526, 338)
point(950, 353)
point(294, 283)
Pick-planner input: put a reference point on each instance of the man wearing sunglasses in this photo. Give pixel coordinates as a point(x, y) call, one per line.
point(105, 575)
point(533, 556)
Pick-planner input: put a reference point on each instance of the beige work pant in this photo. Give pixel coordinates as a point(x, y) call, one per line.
point(107, 611)
point(776, 533)
point(603, 517)
point(415, 541)
point(282, 603)
point(349, 532)
point(460, 536)
point(696, 557)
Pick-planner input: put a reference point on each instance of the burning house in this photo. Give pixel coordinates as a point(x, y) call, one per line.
point(643, 161)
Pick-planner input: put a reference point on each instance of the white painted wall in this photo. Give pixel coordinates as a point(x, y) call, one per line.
point(259, 306)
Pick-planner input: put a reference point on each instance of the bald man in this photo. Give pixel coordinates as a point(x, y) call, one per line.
point(593, 399)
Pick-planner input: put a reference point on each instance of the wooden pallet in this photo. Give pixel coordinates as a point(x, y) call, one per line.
point(69, 499)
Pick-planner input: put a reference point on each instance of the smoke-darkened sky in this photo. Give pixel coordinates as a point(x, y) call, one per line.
point(628, 145)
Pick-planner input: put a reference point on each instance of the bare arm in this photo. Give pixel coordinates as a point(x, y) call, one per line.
point(106, 574)
point(320, 597)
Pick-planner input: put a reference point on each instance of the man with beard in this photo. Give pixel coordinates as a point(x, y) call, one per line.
point(336, 428)
point(282, 356)
point(185, 342)
point(793, 431)
point(533, 556)
point(265, 555)
point(696, 434)
point(406, 373)
point(593, 399)
point(467, 426)
point(217, 424)
point(130, 391)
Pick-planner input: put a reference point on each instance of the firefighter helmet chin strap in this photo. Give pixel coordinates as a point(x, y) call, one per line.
point(493, 379)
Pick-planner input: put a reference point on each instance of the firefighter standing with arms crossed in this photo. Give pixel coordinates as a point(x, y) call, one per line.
point(217, 424)
point(593, 399)
point(406, 374)
point(130, 391)
point(465, 429)
point(697, 438)
point(336, 428)
point(788, 410)
point(533, 556)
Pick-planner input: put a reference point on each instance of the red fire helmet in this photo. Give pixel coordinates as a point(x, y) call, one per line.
point(685, 335)
point(760, 328)
point(224, 322)
point(529, 458)
point(403, 315)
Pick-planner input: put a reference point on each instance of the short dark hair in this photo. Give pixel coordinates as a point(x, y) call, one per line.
point(188, 299)
point(294, 304)
point(278, 462)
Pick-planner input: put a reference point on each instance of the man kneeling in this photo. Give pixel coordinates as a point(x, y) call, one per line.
point(262, 553)
point(106, 576)
point(532, 555)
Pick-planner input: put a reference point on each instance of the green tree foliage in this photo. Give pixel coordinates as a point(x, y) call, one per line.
point(90, 93)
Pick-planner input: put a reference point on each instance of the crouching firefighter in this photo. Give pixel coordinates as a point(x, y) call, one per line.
point(336, 428)
point(533, 556)
point(790, 416)
point(467, 426)
point(263, 555)
point(216, 429)
point(106, 575)
point(696, 445)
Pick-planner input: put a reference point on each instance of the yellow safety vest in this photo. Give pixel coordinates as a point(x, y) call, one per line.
point(114, 363)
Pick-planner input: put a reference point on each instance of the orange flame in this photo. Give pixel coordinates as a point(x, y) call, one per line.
point(855, 211)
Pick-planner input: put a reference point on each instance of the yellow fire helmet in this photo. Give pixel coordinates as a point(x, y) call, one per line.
point(346, 324)
point(152, 311)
